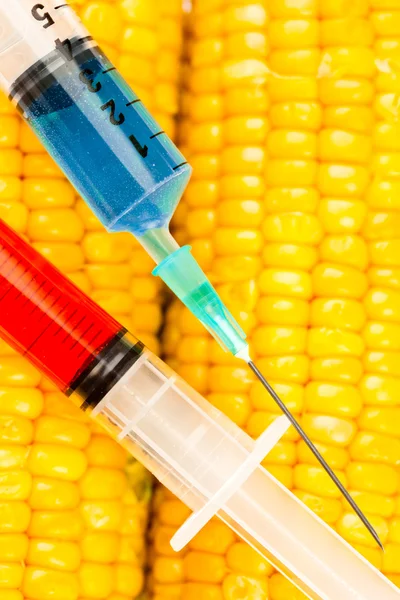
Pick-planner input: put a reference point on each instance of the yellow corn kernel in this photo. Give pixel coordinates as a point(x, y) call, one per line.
point(207, 136)
point(15, 371)
point(368, 477)
point(13, 457)
point(104, 248)
point(81, 281)
point(162, 537)
point(316, 481)
point(291, 368)
point(50, 460)
point(42, 584)
point(96, 580)
point(282, 589)
point(10, 575)
point(352, 529)
point(292, 394)
point(29, 142)
point(104, 452)
point(103, 22)
point(9, 131)
point(385, 253)
point(6, 108)
point(304, 61)
point(298, 228)
point(349, 250)
point(382, 362)
point(236, 586)
point(384, 420)
point(203, 567)
point(105, 515)
point(173, 513)
point(383, 195)
point(235, 406)
point(10, 189)
point(140, 40)
point(294, 33)
point(329, 430)
point(337, 400)
point(214, 538)
point(15, 485)
point(47, 193)
point(51, 430)
point(241, 558)
point(391, 558)
point(375, 447)
point(113, 277)
point(242, 130)
point(323, 341)
point(10, 162)
point(15, 430)
point(13, 547)
point(55, 225)
point(129, 580)
point(288, 200)
point(58, 555)
point(279, 282)
point(286, 255)
point(168, 569)
point(89, 219)
point(333, 280)
point(48, 494)
point(100, 546)
point(269, 340)
point(26, 402)
point(14, 517)
point(41, 163)
point(342, 180)
point(382, 336)
point(103, 484)
point(295, 172)
point(379, 390)
point(282, 473)
point(335, 456)
point(15, 215)
point(66, 257)
point(240, 186)
point(284, 311)
point(375, 504)
point(57, 405)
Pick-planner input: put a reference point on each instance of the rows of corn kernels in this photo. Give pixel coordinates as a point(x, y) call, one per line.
point(291, 124)
point(72, 515)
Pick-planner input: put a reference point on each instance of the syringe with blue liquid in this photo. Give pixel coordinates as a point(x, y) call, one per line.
point(119, 160)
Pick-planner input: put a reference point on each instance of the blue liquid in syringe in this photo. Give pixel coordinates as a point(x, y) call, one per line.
point(106, 142)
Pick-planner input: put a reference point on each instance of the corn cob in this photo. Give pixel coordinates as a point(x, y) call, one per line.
point(72, 523)
point(289, 122)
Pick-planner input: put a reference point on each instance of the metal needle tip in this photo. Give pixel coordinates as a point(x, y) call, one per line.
point(314, 450)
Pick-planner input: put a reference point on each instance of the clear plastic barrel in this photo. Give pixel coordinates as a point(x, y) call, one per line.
point(28, 32)
point(194, 450)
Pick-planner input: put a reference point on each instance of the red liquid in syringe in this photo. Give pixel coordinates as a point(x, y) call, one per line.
point(45, 316)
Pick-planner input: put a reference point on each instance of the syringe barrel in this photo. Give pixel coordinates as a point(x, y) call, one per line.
point(194, 450)
point(91, 122)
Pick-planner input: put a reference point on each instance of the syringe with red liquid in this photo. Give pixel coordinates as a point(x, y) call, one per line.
point(197, 452)
point(57, 327)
